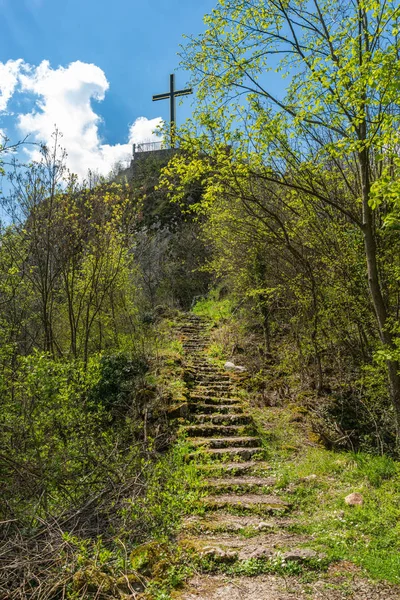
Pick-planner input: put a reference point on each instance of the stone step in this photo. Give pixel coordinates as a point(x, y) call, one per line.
point(226, 394)
point(216, 383)
point(238, 469)
point(213, 390)
point(190, 332)
point(220, 419)
point(233, 408)
point(193, 347)
point(229, 454)
point(214, 400)
point(212, 373)
point(193, 336)
point(212, 379)
point(227, 442)
point(220, 521)
point(261, 546)
point(209, 430)
point(252, 502)
point(245, 484)
point(219, 395)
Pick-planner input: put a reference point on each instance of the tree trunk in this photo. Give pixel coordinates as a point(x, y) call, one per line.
point(266, 325)
point(378, 302)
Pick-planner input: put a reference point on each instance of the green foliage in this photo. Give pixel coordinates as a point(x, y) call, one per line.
point(170, 252)
point(300, 198)
point(86, 383)
point(172, 491)
point(116, 386)
point(376, 469)
point(214, 308)
point(57, 425)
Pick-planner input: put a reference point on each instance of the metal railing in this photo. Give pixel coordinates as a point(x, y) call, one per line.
point(149, 147)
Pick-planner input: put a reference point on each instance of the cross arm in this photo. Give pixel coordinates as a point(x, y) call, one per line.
point(184, 92)
point(161, 96)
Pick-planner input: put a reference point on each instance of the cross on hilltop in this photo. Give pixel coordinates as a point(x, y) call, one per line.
point(172, 94)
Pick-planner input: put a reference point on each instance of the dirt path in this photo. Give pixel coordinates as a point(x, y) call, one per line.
point(245, 522)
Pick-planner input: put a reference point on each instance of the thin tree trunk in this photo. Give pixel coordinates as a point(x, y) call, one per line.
point(378, 302)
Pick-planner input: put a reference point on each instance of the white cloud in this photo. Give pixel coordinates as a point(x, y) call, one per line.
point(8, 81)
point(63, 99)
point(142, 130)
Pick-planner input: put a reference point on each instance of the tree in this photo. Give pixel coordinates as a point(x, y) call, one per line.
point(333, 138)
point(68, 247)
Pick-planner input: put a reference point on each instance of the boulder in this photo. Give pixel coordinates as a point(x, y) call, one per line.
point(229, 366)
point(354, 499)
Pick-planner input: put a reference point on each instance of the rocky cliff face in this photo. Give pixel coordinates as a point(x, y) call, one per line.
point(139, 158)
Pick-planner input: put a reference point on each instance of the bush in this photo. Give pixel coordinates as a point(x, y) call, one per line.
point(119, 377)
point(57, 439)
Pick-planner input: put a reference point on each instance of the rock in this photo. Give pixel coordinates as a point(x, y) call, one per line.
point(300, 555)
point(218, 554)
point(229, 366)
point(309, 477)
point(261, 553)
point(354, 499)
point(264, 525)
point(178, 410)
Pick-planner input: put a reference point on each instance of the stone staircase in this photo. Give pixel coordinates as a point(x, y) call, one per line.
point(239, 489)
point(244, 522)
point(222, 431)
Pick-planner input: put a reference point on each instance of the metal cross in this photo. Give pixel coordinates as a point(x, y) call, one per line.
point(172, 94)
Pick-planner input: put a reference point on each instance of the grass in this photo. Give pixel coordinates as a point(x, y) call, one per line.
point(213, 309)
point(367, 535)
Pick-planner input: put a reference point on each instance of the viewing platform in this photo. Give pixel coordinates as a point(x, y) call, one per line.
point(157, 149)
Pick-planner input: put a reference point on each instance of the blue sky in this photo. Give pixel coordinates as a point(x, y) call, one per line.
point(92, 66)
